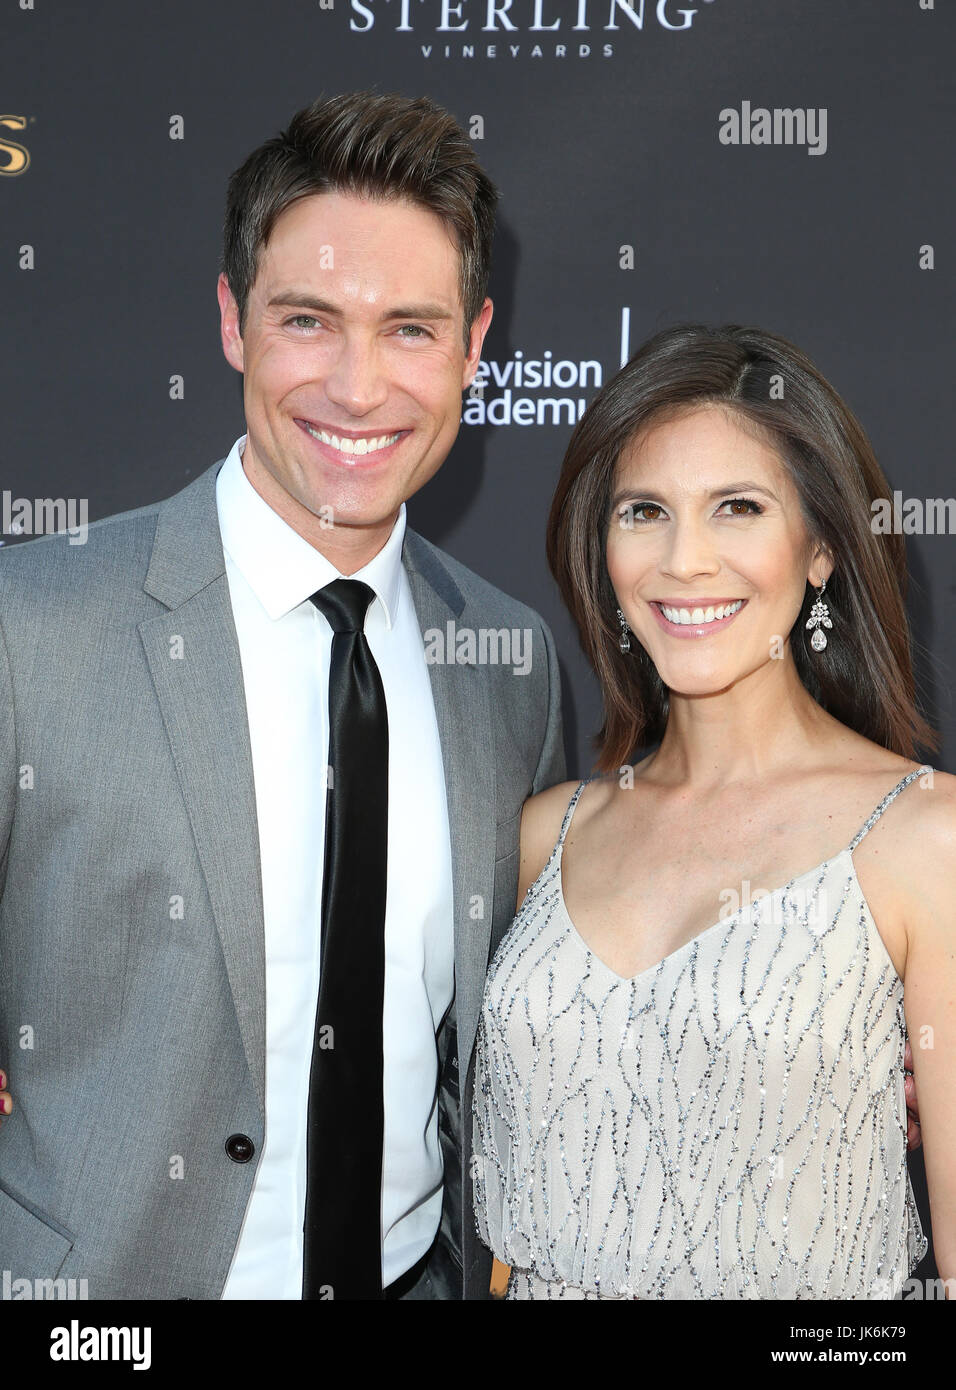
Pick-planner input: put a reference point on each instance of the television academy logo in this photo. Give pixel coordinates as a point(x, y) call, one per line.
point(14, 157)
point(486, 405)
point(537, 391)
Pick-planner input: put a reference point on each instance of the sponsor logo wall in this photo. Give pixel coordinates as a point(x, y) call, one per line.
point(785, 165)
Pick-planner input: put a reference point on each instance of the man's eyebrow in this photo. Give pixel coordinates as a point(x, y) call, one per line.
point(292, 299)
point(649, 495)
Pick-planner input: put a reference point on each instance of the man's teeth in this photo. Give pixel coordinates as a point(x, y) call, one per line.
point(701, 615)
point(353, 446)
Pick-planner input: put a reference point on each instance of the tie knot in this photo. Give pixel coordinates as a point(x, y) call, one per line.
point(345, 603)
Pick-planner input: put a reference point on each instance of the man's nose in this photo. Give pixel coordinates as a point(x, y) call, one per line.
point(357, 381)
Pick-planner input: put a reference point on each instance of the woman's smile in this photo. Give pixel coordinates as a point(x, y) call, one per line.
point(697, 618)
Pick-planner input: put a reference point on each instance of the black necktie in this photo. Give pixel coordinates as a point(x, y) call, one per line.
point(342, 1255)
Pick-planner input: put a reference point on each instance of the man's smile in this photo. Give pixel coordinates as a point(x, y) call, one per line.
point(352, 447)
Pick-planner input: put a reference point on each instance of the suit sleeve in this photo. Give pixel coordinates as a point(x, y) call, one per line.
point(551, 763)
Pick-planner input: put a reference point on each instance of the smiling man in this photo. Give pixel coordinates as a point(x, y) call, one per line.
point(351, 348)
point(265, 850)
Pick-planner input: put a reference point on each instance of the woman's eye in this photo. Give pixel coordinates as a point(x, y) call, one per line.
point(750, 508)
point(637, 513)
point(640, 511)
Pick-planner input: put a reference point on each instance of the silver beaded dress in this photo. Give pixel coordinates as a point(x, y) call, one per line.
point(728, 1124)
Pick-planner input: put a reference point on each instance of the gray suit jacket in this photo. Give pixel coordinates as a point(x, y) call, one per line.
point(132, 957)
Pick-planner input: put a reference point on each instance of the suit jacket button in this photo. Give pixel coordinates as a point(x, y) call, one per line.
point(240, 1148)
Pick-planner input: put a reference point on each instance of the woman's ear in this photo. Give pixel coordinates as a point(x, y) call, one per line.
point(822, 565)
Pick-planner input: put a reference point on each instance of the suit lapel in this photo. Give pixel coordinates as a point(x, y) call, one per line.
point(193, 657)
point(463, 715)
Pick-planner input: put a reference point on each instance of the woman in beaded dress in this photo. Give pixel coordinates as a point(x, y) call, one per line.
point(690, 1056)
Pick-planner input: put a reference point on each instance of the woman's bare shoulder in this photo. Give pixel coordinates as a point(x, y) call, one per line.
point(926, 823)
point(541, 819)
point(910, 859)
point(920, 856)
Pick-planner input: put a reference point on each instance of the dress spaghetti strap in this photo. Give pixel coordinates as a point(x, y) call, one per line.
point(568, 814)
point(890, 796)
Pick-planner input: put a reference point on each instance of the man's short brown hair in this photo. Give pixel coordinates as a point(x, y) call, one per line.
point(375, 146)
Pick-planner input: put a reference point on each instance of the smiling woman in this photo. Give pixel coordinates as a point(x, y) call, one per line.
point(770, 401)
point(686, 1088)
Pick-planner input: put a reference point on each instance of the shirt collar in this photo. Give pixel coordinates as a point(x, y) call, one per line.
point(280, 566)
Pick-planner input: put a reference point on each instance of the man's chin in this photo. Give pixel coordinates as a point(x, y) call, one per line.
point(352, 514)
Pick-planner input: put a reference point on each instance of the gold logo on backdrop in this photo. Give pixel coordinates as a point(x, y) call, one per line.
point(15, 157)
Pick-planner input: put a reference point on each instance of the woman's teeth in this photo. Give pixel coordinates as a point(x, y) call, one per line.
point(701, 615)
point(353, 446)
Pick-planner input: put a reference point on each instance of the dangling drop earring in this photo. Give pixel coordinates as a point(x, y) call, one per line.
point(625, 641)
point(819, 619)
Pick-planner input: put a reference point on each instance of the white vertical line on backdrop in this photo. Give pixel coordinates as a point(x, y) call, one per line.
point(625, 335)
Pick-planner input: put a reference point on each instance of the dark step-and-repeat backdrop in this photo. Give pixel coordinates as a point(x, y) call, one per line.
point(787, 165)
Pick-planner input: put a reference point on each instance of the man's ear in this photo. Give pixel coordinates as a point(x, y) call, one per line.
point(478, 330)
point(229, 324)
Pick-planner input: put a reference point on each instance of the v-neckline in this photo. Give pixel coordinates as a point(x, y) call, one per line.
point(721, 922)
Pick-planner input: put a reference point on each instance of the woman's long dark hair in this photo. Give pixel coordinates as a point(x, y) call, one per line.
point(864, 677)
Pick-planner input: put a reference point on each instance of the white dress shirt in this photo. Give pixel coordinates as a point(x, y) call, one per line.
point(285, 647)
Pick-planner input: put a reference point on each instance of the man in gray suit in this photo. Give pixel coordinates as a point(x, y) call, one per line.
point(164, 738)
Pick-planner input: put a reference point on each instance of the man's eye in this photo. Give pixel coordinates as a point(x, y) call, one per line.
point(416, 329)
point(298, 319)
